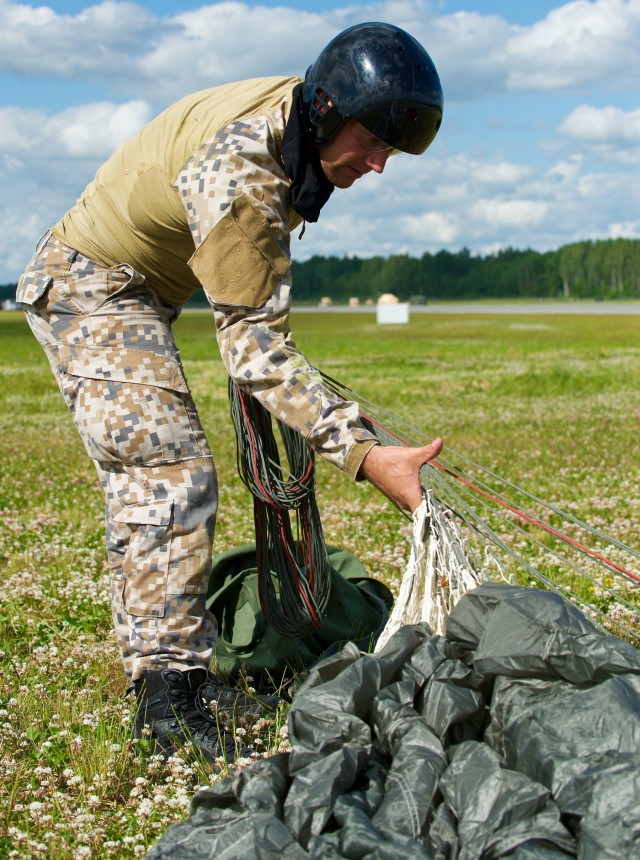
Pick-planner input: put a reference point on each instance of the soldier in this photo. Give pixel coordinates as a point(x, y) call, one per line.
point(205, 197)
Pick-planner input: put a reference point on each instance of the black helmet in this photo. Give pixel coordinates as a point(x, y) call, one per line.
point(380, 76)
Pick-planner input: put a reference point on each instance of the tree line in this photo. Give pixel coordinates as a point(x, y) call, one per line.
point(607, 269)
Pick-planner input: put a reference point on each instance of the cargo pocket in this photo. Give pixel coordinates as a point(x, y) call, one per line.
point(130, 406)
point(32, 287)
point(87, 289)
point(145, 565)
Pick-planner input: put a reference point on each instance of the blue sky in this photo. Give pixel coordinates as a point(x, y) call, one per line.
point(540, 144)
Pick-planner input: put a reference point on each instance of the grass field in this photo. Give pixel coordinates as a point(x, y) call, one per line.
point(552, 402)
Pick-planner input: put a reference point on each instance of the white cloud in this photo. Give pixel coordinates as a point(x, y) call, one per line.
point(431, 228)
point(98, 128)
point(610, 133)
point(509, 213)
point(92, 131)
point(469, 52)
point(626, 230)
point(565, 173)
point(97, 41)
point(500, 174)
point(45, 161)
point(579, 44)
point(21, 228)
point(125, 45)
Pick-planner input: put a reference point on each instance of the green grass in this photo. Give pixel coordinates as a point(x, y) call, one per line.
point(551, 402)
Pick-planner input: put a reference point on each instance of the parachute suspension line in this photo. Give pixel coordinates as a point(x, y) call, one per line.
point(374, 415)
point(294, 574)
point(549, 545)
point(438, 573)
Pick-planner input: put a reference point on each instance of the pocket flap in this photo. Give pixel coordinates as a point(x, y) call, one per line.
point(124, 365)
point(153, 514)
point(32, 286)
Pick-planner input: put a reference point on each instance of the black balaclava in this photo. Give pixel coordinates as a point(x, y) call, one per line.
point(310, 188)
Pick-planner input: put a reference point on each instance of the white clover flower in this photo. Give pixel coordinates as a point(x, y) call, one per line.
point(42, 771)
point(145, 808)
point(36, 810)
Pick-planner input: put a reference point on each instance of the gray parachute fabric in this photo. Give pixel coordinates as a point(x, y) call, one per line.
point(516, 735)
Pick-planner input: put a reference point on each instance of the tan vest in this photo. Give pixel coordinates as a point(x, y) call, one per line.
point(131, 213)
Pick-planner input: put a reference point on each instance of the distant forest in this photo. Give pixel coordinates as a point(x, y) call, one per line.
point(608, 269)
point(604, 269)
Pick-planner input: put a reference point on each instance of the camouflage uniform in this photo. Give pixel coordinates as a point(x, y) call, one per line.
point(199, 198)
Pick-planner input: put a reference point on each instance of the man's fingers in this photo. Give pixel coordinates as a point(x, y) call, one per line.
point(431, 450)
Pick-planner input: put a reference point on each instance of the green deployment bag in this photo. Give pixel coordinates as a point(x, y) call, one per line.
point(357, 611)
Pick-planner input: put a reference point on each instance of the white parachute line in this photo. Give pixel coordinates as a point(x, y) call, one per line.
point(437, 574)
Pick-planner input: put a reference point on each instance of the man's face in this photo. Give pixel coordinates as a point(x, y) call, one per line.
point(353, 152)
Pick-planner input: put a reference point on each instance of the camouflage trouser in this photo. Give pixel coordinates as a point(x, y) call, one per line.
point(110, 344)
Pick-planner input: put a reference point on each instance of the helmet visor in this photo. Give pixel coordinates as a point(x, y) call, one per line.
point(403, 125)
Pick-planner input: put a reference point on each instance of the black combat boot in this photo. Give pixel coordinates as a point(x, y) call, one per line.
point(219, 697)
point(170, 703)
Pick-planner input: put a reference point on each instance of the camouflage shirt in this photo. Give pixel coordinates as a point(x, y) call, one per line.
point(200, 197)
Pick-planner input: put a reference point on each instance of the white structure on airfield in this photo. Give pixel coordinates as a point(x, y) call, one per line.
point(391, 310)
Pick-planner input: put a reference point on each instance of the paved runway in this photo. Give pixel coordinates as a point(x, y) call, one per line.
point(602, 308)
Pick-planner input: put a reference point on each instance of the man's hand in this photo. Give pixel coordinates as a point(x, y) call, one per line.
point(394, 472)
